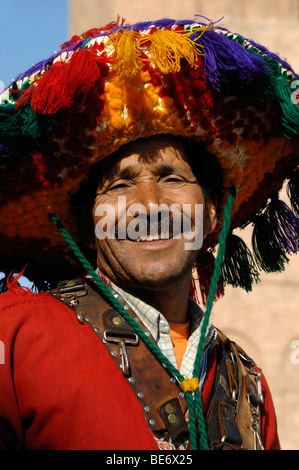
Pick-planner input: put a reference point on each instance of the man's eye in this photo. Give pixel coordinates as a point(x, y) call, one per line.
point(173, 179)
point(118, 185)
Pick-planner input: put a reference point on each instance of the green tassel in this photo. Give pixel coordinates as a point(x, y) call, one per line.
point(15, 123)
point(239, 269)
point(280, 88)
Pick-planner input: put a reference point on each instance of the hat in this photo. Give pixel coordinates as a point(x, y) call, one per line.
point(119, 83)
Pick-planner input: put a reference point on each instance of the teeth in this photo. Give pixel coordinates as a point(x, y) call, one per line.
point(149, 238)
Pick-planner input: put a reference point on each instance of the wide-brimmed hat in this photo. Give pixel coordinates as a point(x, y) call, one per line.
point(119, 83)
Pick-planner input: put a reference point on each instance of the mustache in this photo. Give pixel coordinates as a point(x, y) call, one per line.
point(163, 224)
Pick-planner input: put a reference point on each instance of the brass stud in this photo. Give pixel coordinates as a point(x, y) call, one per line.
point(117, 320)
point(169, 408)
point(172, 418)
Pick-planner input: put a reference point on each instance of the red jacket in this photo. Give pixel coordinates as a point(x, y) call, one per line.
point(60, 389)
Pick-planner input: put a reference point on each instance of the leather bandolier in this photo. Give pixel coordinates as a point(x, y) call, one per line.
point(233, 417)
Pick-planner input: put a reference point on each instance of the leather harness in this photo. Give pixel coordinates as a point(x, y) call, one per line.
point(233, 418)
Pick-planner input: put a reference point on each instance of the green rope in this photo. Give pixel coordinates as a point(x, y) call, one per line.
point(194, 402)
point(213, 287)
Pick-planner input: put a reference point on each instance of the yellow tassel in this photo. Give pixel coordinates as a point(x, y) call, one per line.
point(190, 385)
point(126, 57)
point(169, 47)
point(166, 48)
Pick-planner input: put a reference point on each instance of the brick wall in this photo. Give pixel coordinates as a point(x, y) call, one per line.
point(266, 321)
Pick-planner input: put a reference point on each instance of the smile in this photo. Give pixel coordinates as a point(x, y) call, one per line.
point(152, 238)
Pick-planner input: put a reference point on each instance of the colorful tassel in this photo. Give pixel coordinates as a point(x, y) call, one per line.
point(58, 86)
point(169, 47)
point(238, 267)
point(293, 191)
point(127, 55)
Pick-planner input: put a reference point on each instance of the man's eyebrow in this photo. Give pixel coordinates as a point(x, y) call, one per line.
point(132, 170)
point(126, 172)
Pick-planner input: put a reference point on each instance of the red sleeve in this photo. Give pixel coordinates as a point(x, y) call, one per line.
point(59, 387)
point(269, 424)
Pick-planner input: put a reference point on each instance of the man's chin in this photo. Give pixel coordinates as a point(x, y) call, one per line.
point(157, 279)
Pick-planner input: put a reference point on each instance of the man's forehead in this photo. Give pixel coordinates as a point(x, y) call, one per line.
point(151, 145)
point(161, 151)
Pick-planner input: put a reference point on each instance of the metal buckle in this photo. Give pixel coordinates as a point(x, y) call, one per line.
point(67, 289)
point(255, 425)
point(71, 291)
point(122, 342)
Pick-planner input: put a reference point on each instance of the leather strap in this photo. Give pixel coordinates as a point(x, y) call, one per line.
point(233, 419)
point(158, 392)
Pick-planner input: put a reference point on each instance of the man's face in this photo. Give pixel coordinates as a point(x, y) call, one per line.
point(150, 173)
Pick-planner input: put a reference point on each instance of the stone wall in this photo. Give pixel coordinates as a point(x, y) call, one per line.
point(266, 321)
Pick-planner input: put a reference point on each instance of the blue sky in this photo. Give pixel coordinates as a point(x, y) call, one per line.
point(30, 30)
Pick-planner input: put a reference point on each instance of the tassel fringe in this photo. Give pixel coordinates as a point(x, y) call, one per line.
point(293, 191)
point(238, 269)
point(127, 55)
point(167, 49)
point(268, 253)
point(285, 225)
point(58, 86)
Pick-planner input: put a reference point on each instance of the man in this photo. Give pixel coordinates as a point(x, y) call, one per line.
point(135, 363)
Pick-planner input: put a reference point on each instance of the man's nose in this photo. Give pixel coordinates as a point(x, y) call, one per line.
point(149, 194)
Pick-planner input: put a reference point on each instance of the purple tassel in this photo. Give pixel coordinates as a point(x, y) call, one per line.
point(222, 54)
point(285, 225)
point(293, 191)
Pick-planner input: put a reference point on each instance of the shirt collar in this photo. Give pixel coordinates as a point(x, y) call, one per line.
point(156, 323)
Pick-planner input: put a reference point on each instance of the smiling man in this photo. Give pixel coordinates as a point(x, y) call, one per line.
point(152, 172)
point(146, 145)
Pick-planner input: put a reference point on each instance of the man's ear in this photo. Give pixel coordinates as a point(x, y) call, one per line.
point(210, 216)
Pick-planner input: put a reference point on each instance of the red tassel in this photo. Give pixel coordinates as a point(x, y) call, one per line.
point(58, 86)
point(204, 267)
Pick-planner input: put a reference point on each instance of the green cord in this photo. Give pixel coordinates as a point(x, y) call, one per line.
point(194, 402)
point(210, 300)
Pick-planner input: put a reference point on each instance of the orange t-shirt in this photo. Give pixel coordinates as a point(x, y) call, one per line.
point(179, 334)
